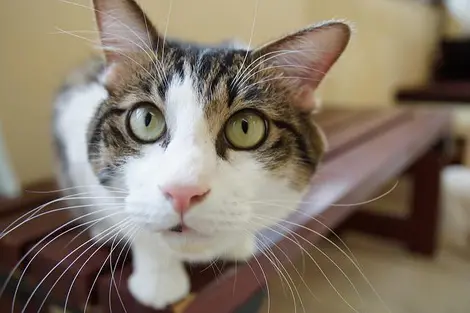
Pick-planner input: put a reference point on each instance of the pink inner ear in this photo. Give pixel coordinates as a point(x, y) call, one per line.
point(306, 57)
point(124, 28)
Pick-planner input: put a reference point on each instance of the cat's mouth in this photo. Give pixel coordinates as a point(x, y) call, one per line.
point(179, 228)
point(182, 229)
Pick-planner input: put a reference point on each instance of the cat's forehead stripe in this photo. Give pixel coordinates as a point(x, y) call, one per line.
point(212, 68)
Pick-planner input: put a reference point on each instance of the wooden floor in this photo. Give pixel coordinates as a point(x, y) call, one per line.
point(406, 282)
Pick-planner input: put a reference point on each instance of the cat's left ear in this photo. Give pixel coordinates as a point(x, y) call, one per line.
point(124, 29)
point(305, 57)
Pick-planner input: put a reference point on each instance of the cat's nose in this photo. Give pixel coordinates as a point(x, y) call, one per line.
point(184, 197)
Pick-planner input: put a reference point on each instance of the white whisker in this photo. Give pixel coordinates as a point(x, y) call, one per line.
point(247, 78)
point(273, 255)
point(114, 49)
point(89, 227)
point(318, 266)
point(113, 18)
point(170, 9)
point(275, 78)
point(265, 279)
point(55, 211)
point(352, 259)
point(32, 212)
point(117, 190)
point(23, 258)
point(113, 247)
point(293, 265)
point(274, 54)
point(96, 238)
point(278, 270)
point(255, 15)
point(134, 230)
point(260, 60)
point(280, 201)
point(37, 253)
point(121, 225)
point(126, 255)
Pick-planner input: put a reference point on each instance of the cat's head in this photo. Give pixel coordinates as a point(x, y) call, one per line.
point(211, 143)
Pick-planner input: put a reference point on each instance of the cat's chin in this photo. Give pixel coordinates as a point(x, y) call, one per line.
point(191, 248)
point(194, 246)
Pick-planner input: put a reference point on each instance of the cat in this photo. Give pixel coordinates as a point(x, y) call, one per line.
point(186, 143)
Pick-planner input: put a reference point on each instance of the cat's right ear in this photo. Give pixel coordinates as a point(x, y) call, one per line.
point(305, 57)
point(124, 29)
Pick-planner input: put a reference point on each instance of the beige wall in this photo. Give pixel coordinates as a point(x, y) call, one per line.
point(393, 45)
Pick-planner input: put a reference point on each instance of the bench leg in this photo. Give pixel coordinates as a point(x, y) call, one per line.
point(419, 230)
point(423, 222)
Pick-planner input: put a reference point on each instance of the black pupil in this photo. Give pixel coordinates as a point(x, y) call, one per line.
point(148, 119)
point(245, 126)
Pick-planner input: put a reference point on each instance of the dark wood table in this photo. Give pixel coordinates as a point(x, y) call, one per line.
point(367, 148)
point(437, 93)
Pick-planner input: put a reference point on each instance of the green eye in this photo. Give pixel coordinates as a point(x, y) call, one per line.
point(146, 123)
point(246, 130)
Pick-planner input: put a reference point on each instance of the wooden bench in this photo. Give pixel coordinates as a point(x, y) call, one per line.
point(367, 148)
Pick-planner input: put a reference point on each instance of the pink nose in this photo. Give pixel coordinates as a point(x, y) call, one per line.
point(184, 197)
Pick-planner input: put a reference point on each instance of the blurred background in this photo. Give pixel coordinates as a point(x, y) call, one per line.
point(405, 51)
point(394, 45)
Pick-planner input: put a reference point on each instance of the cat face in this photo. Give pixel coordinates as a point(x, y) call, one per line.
point(210, 142)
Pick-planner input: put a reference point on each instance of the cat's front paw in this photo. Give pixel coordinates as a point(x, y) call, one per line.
point(159, 290)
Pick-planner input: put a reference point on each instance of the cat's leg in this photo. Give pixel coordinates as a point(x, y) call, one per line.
point(158, 278)
point(242, 250)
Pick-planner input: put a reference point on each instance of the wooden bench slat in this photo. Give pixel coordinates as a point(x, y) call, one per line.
point(362, 128)
point(54, 255)
point(346, 128)
point(14, 244)
point(6, 304)
point(30, 197)
point(335, 118)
